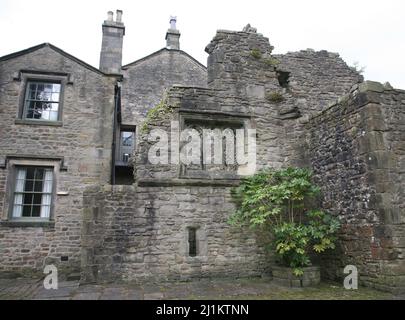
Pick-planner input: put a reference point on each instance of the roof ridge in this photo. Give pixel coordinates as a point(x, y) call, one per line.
point(161, 50)
point(53, 47)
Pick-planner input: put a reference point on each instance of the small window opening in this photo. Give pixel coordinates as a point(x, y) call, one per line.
point(123, 157)
point(192, 242)
point(127, 141)
point(283, 78)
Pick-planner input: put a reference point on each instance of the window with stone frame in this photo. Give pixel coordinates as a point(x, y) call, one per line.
point(192, 241)
point(208, 167)
point(33, 192)
point(42, 100)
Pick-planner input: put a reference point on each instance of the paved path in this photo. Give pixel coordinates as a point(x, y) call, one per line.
point(204, 289)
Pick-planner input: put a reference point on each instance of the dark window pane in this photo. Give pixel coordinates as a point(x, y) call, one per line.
point(26, 211)
point(192, 242)
point(39, 174)
point(32, 94)
point(29, 185)
point(37, 198)
point(30, 173)
point(36, 211)
point(28, 198)
point(38, 186)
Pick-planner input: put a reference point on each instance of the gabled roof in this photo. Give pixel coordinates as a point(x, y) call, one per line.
point(160, 51)
point(60, 51)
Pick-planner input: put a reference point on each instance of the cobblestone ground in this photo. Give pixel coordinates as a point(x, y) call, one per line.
point(204, 289)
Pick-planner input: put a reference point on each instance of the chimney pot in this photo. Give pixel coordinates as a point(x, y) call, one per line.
point(119, 15)
point(110, 16)
point(173, 21)
point(173, 35)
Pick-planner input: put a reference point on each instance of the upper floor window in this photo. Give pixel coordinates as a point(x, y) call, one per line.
point(42, 101)
point(33, 191)
point(126, 146)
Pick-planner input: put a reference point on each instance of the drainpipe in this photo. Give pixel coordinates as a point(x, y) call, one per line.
point(117, 94)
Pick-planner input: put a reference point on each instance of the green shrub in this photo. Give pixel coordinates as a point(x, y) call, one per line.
point(277, 201)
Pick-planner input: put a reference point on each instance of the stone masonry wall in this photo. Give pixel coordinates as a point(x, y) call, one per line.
point(167, 203)
point(146, 80)
point(141, 234)
point(357, 150)
point(242, 77)
point(83, 140)
point(316, 80)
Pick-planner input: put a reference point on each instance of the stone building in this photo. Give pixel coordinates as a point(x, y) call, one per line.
point(78, 190)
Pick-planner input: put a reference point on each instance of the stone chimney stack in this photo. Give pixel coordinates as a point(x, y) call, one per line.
point(173, 35)
point(111, 46)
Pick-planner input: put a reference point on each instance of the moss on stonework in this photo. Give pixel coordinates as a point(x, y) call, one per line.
point(271, 61)
point(157, 112)
point(275, 97)
point(255, 53)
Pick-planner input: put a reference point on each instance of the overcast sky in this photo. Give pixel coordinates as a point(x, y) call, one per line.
point(368, 31)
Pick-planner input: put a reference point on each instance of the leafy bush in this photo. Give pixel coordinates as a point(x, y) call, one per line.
point(277, 200)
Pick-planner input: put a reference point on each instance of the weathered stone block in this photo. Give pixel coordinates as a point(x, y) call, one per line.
point(284, 276)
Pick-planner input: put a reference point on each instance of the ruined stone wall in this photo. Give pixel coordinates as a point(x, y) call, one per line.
point(242, 79)
point(356, 149)
point(82, 140)
point(141, 234)
point(316, 80)
point(146, 80)
point(154, 239)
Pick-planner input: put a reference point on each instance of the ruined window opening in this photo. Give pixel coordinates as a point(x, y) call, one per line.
point(283, 78)
point(192, 241)
point(209, 166)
